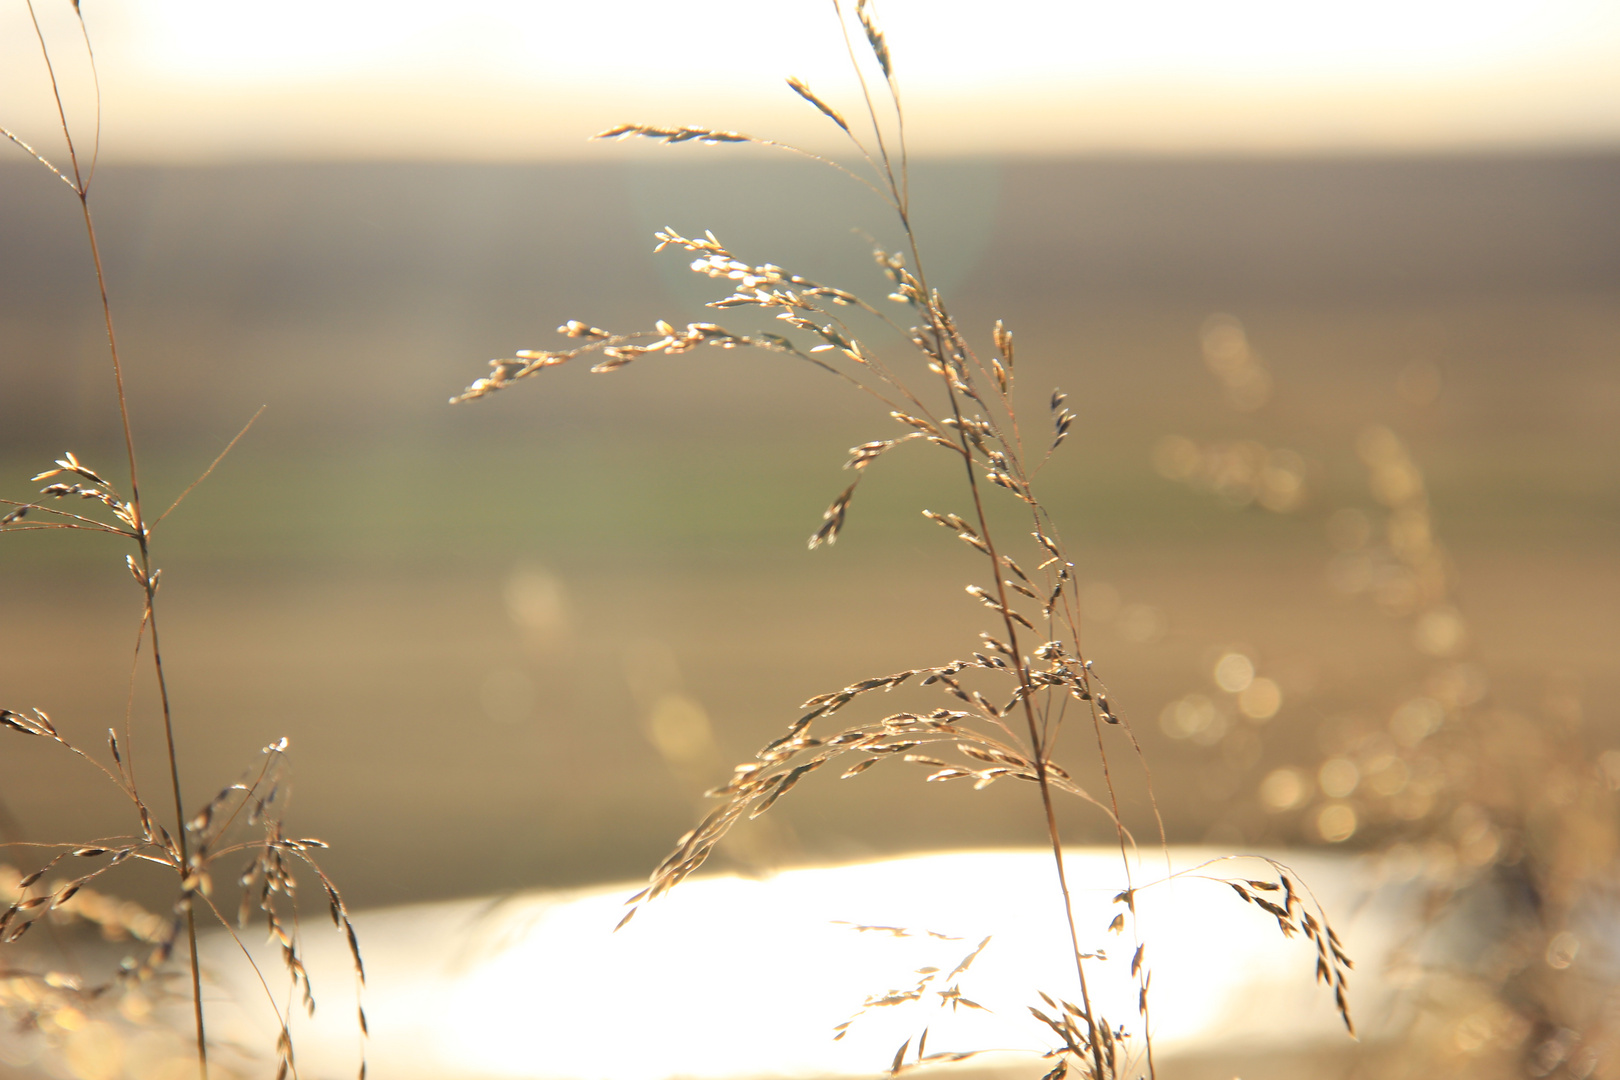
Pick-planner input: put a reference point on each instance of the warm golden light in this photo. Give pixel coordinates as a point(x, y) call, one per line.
point(731, 977)
point(189, 80)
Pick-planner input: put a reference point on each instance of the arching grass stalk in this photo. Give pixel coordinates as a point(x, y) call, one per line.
point(1007, 702)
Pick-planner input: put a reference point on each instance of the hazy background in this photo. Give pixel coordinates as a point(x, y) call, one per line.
point(512, 641)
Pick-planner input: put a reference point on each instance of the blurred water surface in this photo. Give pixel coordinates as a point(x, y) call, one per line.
point(733, 976)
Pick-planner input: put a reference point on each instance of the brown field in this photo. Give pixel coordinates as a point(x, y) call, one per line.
point(464, 617)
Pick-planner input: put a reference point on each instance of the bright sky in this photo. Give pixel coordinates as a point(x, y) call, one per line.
point(517, 79)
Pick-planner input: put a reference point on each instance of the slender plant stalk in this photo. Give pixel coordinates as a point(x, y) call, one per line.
point(1036, 741)
point(141, 532)
point(900, 190)
point(1038, 746)
point(268, 885)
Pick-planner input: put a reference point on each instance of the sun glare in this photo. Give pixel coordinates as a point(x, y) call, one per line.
point(732, 977)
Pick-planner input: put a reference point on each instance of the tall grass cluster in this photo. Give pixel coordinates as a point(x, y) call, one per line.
point(1500, 812)
point(238, 835)
point(997, 712)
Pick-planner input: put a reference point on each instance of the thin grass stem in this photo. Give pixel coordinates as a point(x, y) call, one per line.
point(149, 579)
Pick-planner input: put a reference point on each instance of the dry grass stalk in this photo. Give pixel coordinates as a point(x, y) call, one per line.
point(1008, 700)
point(57, 888)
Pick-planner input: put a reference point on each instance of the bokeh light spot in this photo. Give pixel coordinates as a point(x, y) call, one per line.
point(1415, 720)
point(1338, 777)
point(1142, 624)
point(679, 728)
point(1234, 672)
point(1187, 717)
point(1440, 632)
point(1261, 699)
point(1176, 457)
point(1336, 822)
point(1284, 789)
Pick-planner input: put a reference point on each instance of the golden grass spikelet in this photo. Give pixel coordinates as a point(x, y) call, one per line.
point(799, 87)
point(874, 38)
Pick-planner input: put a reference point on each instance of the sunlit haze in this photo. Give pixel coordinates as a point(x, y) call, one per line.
point(731, 977)
point(188, 80)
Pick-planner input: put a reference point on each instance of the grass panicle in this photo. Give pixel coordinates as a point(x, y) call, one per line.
point(244, 820)
point(996, 712)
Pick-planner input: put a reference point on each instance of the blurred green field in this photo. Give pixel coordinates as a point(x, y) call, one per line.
point(468, 619)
